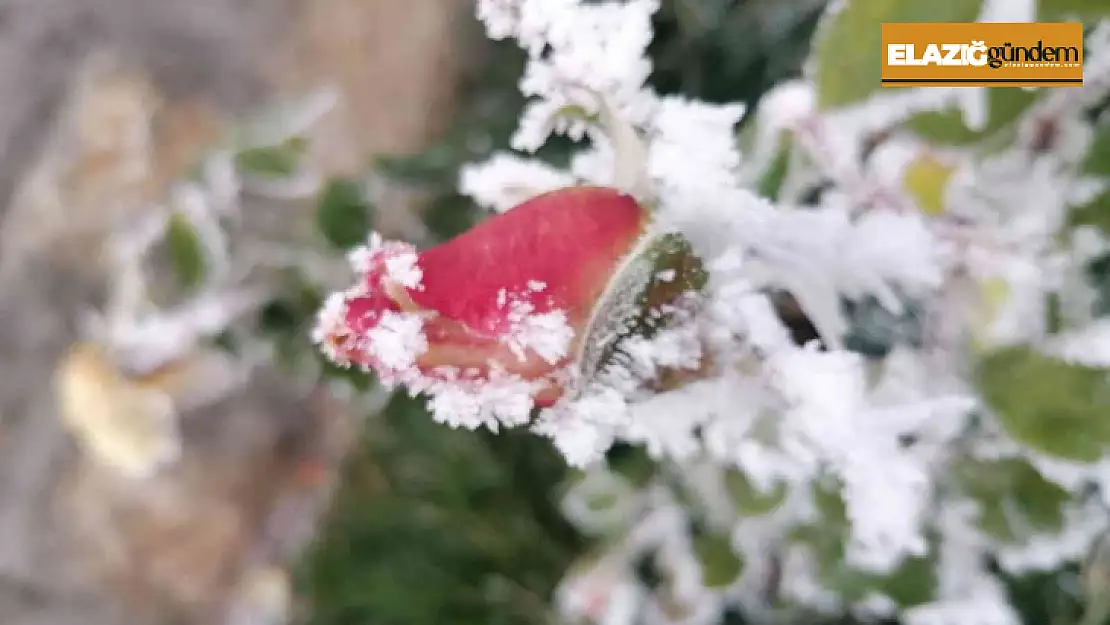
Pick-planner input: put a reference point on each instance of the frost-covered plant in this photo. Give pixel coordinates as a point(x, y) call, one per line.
point(942, 431)
point(195, 282)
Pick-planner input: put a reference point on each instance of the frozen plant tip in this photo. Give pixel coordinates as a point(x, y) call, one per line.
point(489, 323)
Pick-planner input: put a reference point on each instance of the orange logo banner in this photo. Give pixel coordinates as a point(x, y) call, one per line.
point(982, 54)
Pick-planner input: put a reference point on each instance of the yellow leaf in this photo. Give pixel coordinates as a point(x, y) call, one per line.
point(993, 294)
point(121, 424)
point(926, 179)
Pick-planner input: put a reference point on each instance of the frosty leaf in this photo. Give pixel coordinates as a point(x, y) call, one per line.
point(278, 161)
point(947, 127)
point(913, 582)
point(749, 500)
point(187, 255)
point(638, 288)
point(1050, 405)
point(926, 179)
point(874, 330)
point(720, 565)
point(1014, 498)
point(285, 120)
point(849, 50)
point(676, 271)
point(343, 215)
point(1062, 10)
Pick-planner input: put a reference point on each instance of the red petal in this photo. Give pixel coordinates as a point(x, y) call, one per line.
point(571, 240)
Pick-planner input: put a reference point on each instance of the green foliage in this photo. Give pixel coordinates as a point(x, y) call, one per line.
point(1015, 500)
point(434, 523)
point(1042, 598)
point(729, 50)
point(343, 214)
point(749, 500)
point(287, 319)
point(1066, 10)
point(912, 583)
point(277, 161)
point(947, 127)
point(848, 53)
point(1096, 163)
point(771, 182)
point(1054, 407)
point(1097, 160)
point(632, 463)
point(720, 564)
point(186, 251)
point(1094, 213)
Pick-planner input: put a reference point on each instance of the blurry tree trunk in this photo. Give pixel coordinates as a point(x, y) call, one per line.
point(85, 141)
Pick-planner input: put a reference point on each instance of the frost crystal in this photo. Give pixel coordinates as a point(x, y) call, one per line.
point(398, 340)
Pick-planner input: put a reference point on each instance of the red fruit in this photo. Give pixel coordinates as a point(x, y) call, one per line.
point(551, 256)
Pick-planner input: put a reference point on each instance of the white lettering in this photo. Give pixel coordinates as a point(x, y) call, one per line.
point(977, 53)
point(932, 55)
point(896, 54)
point(952, 54)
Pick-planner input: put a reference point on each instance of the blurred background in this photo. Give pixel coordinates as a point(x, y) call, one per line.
point(290, 503)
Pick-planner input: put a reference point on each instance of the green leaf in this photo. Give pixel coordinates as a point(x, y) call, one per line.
point(1014, 497)
point(602, 501)
point(278, 161)
point(830, 503)
point(1053, 313)
point(720, 565)
point(663, 269)
point(749, 500)
point(1060, 10)
point(187, 255)
point(771, 182)
point(343, 215)
point(926, 178)
point(1054, 407)
point(632, 463)
point(849, 49)
point(947, 127)
point(913, 583)
point(1097, 160)
point(429, 167)
point(677, 270)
